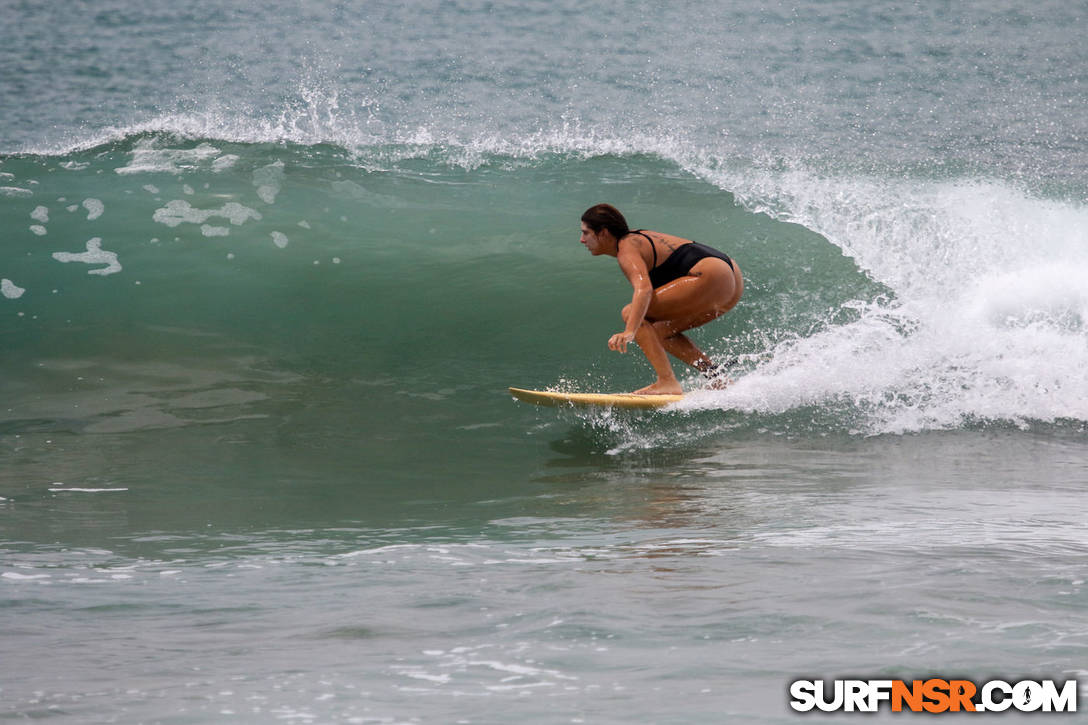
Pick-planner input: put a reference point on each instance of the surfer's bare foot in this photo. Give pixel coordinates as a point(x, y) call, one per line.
point(671, 387)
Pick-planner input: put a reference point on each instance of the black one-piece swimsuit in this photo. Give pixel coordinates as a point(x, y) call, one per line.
point(680, 262)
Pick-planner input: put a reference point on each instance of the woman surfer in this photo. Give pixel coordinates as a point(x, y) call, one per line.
point(678, 285)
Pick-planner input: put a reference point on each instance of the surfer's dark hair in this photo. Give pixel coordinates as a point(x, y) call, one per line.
point(606, 216)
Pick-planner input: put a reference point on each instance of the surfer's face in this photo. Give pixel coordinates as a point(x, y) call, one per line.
point(592, 240)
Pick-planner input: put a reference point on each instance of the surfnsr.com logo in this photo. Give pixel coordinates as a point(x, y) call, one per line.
point(933, 696)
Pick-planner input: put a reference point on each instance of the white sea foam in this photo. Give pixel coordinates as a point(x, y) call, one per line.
point(466, 667)
point(94, 208)
point(88, 490)
point(40, 214)
point(180, 211)
point(38, 230)
point(16, 576)
point(269, 180)
point(279, 239)
point(10, 290)
point(224, 162)
point(94, 255)
point(149, 157)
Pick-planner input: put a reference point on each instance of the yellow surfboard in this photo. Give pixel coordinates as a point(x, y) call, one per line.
point(586, 400)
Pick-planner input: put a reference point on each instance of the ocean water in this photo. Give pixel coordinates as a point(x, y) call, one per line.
point(267, 270)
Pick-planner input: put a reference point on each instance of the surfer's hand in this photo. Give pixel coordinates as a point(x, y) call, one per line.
point(618, 342)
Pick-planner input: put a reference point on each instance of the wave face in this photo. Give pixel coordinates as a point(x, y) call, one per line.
point(873, 304)
point(376, 194)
